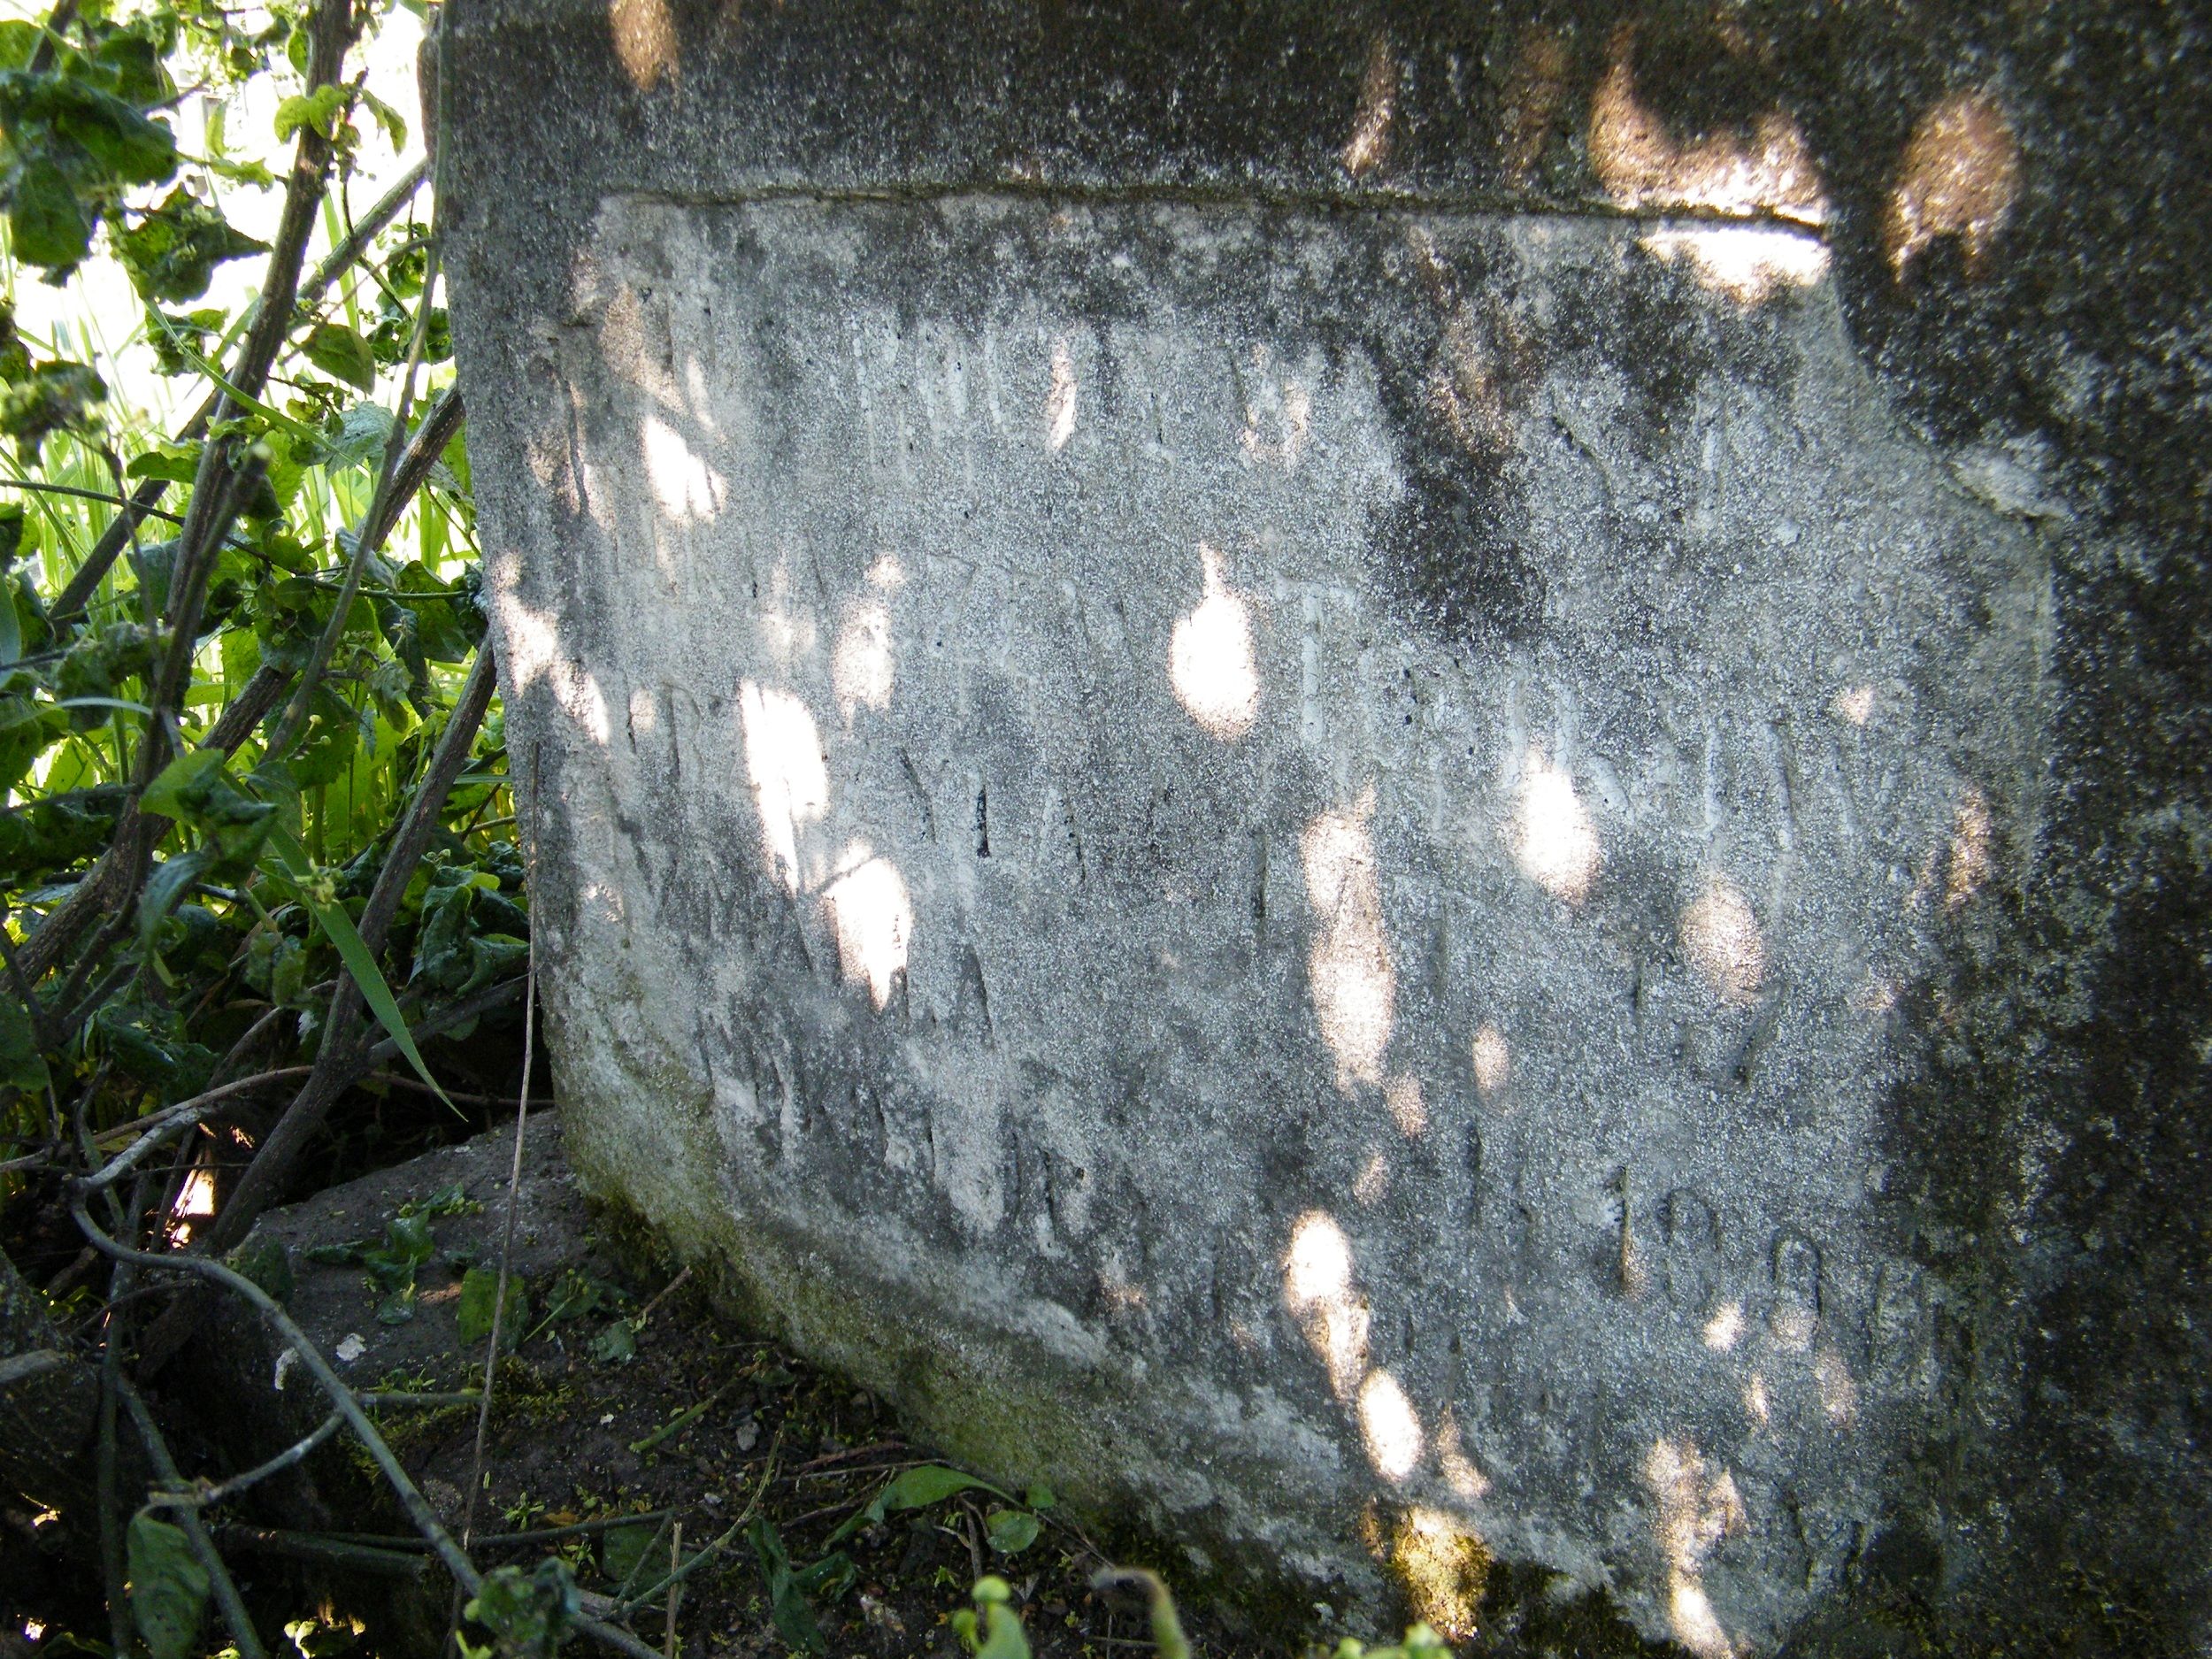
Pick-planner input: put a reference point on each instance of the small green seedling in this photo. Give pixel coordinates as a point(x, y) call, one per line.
point(992, 1630)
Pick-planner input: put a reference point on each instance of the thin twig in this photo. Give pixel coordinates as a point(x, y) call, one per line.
point(392, 1563)
point(207, 1497)
point(370, 225)
point(418, 1509)
point(395, 484)
point(226, 1596)
point(216, 496)
point(675, 1591)
point(82, 493)
point(630, 1604)
point(470, 1007)
point(506, 1254)
point(142, 504)
point(458, 1096)
point(173, 1119)
point(659, 1296)
point(104, 1474)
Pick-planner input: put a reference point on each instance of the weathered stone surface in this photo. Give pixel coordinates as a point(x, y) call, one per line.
point(1266, 773)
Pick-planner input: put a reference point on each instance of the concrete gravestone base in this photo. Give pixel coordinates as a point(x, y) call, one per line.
point(1282, 859)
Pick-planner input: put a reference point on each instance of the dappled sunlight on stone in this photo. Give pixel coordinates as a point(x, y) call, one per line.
point(1466, 391)
point(1749, 263)
point(1493, 1063)
point(1696, 1627)
point(1874, 994)
point(873, 918)
point(1402, 1096)
point(644, 40)
point(1459, 1469)
point(1369, 145)
point(1854, 705)
point(1372, 1181)
point(784, 620)
point(1211, 663)
point(1724, 1329)
point(861, 667)
point(686, 490)
point(1720, 937)
point(783, 757)
point(1317, 1290)
point(533, 642)
point(1349, 968)
point(1643, 166)
point(1444, 1567)
point(1971, 860)
point(1388, 1427)
point(1839, 1389)
point(535, 652)
point(1278, 415)
point(1697, 1509)
point(624, 337)
point(1060, 399)
point(1755, 1404)
point(1555, 843)
point(1960, 177)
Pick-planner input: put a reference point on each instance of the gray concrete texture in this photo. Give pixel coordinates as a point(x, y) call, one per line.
point(1335, 775)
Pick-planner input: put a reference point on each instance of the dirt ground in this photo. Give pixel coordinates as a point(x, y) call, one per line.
point(629, 1407)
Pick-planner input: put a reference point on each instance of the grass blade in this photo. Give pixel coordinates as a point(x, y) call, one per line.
point(355, 954)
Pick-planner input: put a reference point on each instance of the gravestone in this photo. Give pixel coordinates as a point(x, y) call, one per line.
point(1268, 766)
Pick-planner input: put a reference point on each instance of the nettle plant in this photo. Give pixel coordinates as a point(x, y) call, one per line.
point(257, 843)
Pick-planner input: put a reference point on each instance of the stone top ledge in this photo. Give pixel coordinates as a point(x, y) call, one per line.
point(1542, 107)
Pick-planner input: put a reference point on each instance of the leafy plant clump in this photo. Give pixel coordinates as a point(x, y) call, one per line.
point(259, 874)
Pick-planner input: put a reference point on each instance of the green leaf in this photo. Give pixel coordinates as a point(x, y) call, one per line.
point(622, 1551)
point(340, 353)
point(134, 66)
point(915, 1488)
point(47, 225)
point(786, 1603)
point(147, 1041)
point(165, 794)
point(136, 149)
point(18, 40)
point(1010, 1531)
point(617, 1345)
point(391, 120)
point(168, 1587)
point(172, 252)
point(480, 1295)
point(22, 1066)
point(829, 1578)
point(179, 463)
point(362, 436)
point(530, 1615)
point(1041, 1496)
point(268, 1264)
point(167, 887)
point(451, 1199)
point(407, 1239)
point(339, 928)
point(321, 109)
